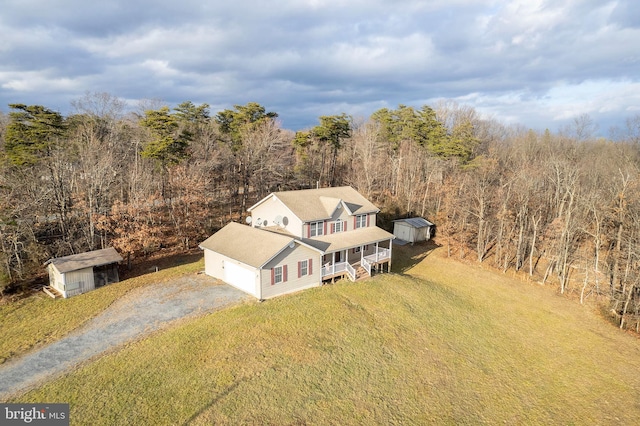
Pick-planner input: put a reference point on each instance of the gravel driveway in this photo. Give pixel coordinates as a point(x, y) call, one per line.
point(138, 312)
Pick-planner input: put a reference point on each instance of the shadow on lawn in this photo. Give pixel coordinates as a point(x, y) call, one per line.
point(407, 256)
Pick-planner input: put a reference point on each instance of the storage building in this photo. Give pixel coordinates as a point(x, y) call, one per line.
point(80, 273)
point(413, 229)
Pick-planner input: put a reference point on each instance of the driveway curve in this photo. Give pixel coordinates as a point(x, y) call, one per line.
point(137, 313)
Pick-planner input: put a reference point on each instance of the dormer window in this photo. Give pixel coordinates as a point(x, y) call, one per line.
point(337, 226)
point(361, 221)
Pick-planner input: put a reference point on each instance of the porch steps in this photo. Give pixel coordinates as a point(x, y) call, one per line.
point(361, 273)
point(51, 292)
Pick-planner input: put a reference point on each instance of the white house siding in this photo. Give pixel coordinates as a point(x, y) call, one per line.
point(213, 264)
point(271, 209)
point(291, 257)
point(215, 267)
point(56, 279)
point(341, 215)
point(351, 219)
point(78, 282)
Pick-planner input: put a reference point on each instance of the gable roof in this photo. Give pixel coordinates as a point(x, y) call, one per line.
point(320, 204)
point(415, 222)
point(88, 259)
point(251, 246)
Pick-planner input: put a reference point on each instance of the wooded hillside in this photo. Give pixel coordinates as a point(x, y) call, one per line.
point(563, 206)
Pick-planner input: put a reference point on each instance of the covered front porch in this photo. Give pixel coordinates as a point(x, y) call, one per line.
point(353, 254)
point(357, 262)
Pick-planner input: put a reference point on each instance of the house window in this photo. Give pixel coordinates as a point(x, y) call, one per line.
point(277, 274)
point(315, 229)
point(337, 226)
point(361, 221)
point(356, 249)
point(305, 267)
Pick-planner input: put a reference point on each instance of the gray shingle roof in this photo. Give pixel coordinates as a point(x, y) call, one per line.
point(319, 204)
point(416, 222)
point(251, 246)
point(86, 260)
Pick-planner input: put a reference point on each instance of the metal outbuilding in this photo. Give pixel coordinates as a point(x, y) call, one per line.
point(413, 229)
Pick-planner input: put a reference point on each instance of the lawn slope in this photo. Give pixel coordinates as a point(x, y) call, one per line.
point(38, 319)
point(443, 343)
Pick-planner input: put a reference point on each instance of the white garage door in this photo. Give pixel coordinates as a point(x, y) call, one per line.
point(239, 277)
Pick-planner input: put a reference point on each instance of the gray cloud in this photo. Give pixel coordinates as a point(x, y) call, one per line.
point(534, 62)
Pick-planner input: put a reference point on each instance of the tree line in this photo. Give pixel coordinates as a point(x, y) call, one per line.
point(563, 207)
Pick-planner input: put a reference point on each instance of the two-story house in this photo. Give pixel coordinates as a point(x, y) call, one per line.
point(300, 239)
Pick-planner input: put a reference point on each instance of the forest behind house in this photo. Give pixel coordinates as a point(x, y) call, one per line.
point(562, 208)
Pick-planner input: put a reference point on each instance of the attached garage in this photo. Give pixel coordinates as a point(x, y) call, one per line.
point(413, 229)
point(239, 276)
point(258, 261)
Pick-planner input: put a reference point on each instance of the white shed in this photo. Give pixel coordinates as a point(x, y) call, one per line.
point(80, 273)
point(413, 229)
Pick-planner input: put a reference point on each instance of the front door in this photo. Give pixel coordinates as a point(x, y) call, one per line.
point(338, 257)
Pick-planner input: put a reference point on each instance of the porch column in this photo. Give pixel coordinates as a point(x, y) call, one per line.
point(333, 262)
point(390, 253)
point(361, 254)
point(376, 252)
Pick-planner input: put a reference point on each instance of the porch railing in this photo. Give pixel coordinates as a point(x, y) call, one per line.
point(366, 265)
point(380, 255)
point(337, 268)
point(351, 272)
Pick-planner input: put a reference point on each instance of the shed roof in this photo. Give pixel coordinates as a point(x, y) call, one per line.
point(88, 259)
point(415, 222)
point(321, 203)
point(251, 246)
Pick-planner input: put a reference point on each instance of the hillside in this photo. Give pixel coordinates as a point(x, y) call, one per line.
point(442, 343)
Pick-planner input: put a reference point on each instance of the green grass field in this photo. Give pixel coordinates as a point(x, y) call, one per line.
point(442, 343)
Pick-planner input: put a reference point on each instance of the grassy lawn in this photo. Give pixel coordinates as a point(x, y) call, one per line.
point(39, 319)
point(443, 343)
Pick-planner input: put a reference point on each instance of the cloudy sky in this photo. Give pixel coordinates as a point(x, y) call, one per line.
point(534, 62)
